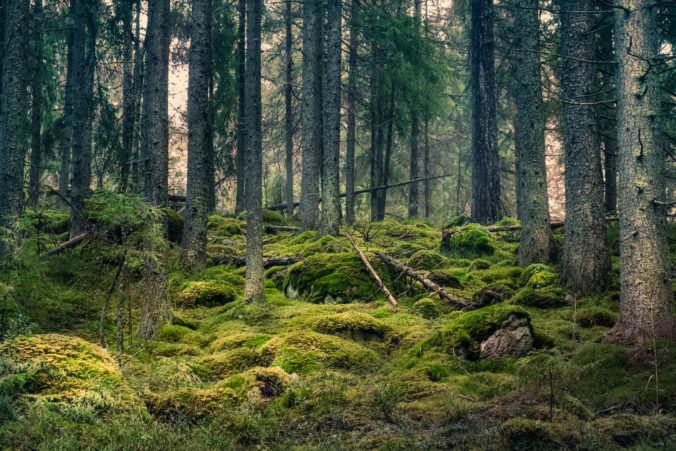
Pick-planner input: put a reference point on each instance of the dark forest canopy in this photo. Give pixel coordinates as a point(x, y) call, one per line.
point(423, 183)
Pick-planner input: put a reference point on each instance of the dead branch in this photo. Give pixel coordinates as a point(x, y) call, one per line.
point(268, 262)
point(71, 243)
point(460, 301)
point(373, 272)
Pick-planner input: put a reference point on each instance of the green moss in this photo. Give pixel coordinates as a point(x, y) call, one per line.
point(274, 218)
point(330, 278)
point(206, 293)
point(479, 263)
point(463, 334)
point(524, 433)
point(596, 316)
point(507, 221)
point(426, 259)
point(548, 297)
point(164, 349)
point(458, 221)
point(189, 405)
point(352, 325)
point(543, 279)
point(530, 270)
point(179, 319)
point(470, 241)
point(66, 370)
point(427, 308)
point(239, 340)
point(446, 278)
point(631, 430)
point(232, 361)
point(172, 333)
point(306, 352)
point(222, 227)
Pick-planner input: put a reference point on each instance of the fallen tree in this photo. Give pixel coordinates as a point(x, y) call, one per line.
point(459, 301)
point(373, 272)
point(268, 262)
point(71, 243)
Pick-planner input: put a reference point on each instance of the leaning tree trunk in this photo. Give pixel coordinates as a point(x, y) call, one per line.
point(194, 243)
point(36, 106)
point(485, 160)
point(12, 115)
point(311, 113)
point(84, 62)
point(646, 311)
point(156, 104)
point(288, 103)
point(330, 218)
point(529, 126)
point(351, 115)
point(586, 263)
point(254, 290)
point(240, 157)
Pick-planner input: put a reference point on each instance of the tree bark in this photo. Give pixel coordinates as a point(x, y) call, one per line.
point(240, 158)
point(194, 243)
point(585, 265)
point(155, 104)
point(128, 100)
point(67, 130)
point(139, 69)
point(646, 311)
point(387, 163)
point(288, 103)
point(485, 160)
point(12, 115)
point(84, 63)
point(610, 169)
point(529, 125)
point(331, 97)
point(311, 113)
point(351, 114)
point(36, 105)
point(254, 290)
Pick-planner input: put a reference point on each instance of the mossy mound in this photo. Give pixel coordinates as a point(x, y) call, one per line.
point(306, 352)
point(470, 241)
point(261, 382)
point(530, 270)
point(211, 293)
point(329, 278)
point(64, 370)
point(223, 227)
point(445, 278)
point(189, 405)
point(426, 259)
point(224, 363)
point(172, 333)
point(463, 335)
point(547, 297)
point(274, 218)
point(352, 325)
point(653, 432)
point(479, 264)
point(239, 340)
point(427, 308)
point(595, 316)
point(524, 433)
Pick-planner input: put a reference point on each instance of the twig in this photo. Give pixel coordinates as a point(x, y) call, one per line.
point(373, 272)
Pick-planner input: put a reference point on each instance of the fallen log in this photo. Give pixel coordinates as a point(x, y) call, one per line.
point(268, 262)
point(367, 190)
point(515, 227)
point(71, 243)
point(373, 272)
point(275, 229)
point(460, 301)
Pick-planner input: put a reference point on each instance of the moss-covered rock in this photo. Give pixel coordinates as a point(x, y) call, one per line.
point(65, 370)
point(211, 293)
point(306, 352)
point(352, 325)
point(595, 316)
point(223, 227)
point(223, 363)
point(531, 270)
point(427, 308)
point(470, 241)
point(329, 278)
point(464, 335)
point(445, 278)
point(172, 333)
point(547, 297)
point(426, 259)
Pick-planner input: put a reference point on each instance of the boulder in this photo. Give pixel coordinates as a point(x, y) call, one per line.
point(513, 339)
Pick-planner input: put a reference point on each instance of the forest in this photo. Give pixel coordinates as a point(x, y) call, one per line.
point(337, 224)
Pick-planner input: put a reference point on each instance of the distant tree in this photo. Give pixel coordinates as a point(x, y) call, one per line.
point(37, 101)
point(646, 297)
point(12, 115)
point(529, 126)
point(351, 113)
point(254, 290)
point(311, 113)
point(125, 12)
point(415, 160)
point(331, 97)
point(288, 103)
point(485, 160)
point(240, 162)
point(200, 177)
point(586, 262)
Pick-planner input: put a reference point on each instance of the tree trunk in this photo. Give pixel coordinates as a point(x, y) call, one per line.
point(485, 160)
point(586, 263)
point(529, 125)
point(67, 130)
point(351, 115)
point(376, 136)
point(646, 311)
point(194, 243)
point(12, 115)
point(155, 104)
point(240, 158)
point(311, 112)
point(254, 290)
point(330, 218)
point(427, 193)
point(84, 63)
point(288, 103)
point(387, 164)
point(128, 101)
point(610, 166)
point(138, 97)
point(36, 107)
point(413, 167)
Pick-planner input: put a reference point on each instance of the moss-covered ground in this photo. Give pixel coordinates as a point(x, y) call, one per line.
point(326, 363)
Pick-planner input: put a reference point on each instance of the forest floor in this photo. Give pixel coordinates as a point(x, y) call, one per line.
point(326, 363)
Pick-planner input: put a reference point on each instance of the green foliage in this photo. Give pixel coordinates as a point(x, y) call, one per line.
point(596, 316)
point(425, 259)
point(470, 241)
point(548, 297)
point(524, 433)
point(352, 325)
point(206, 293)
